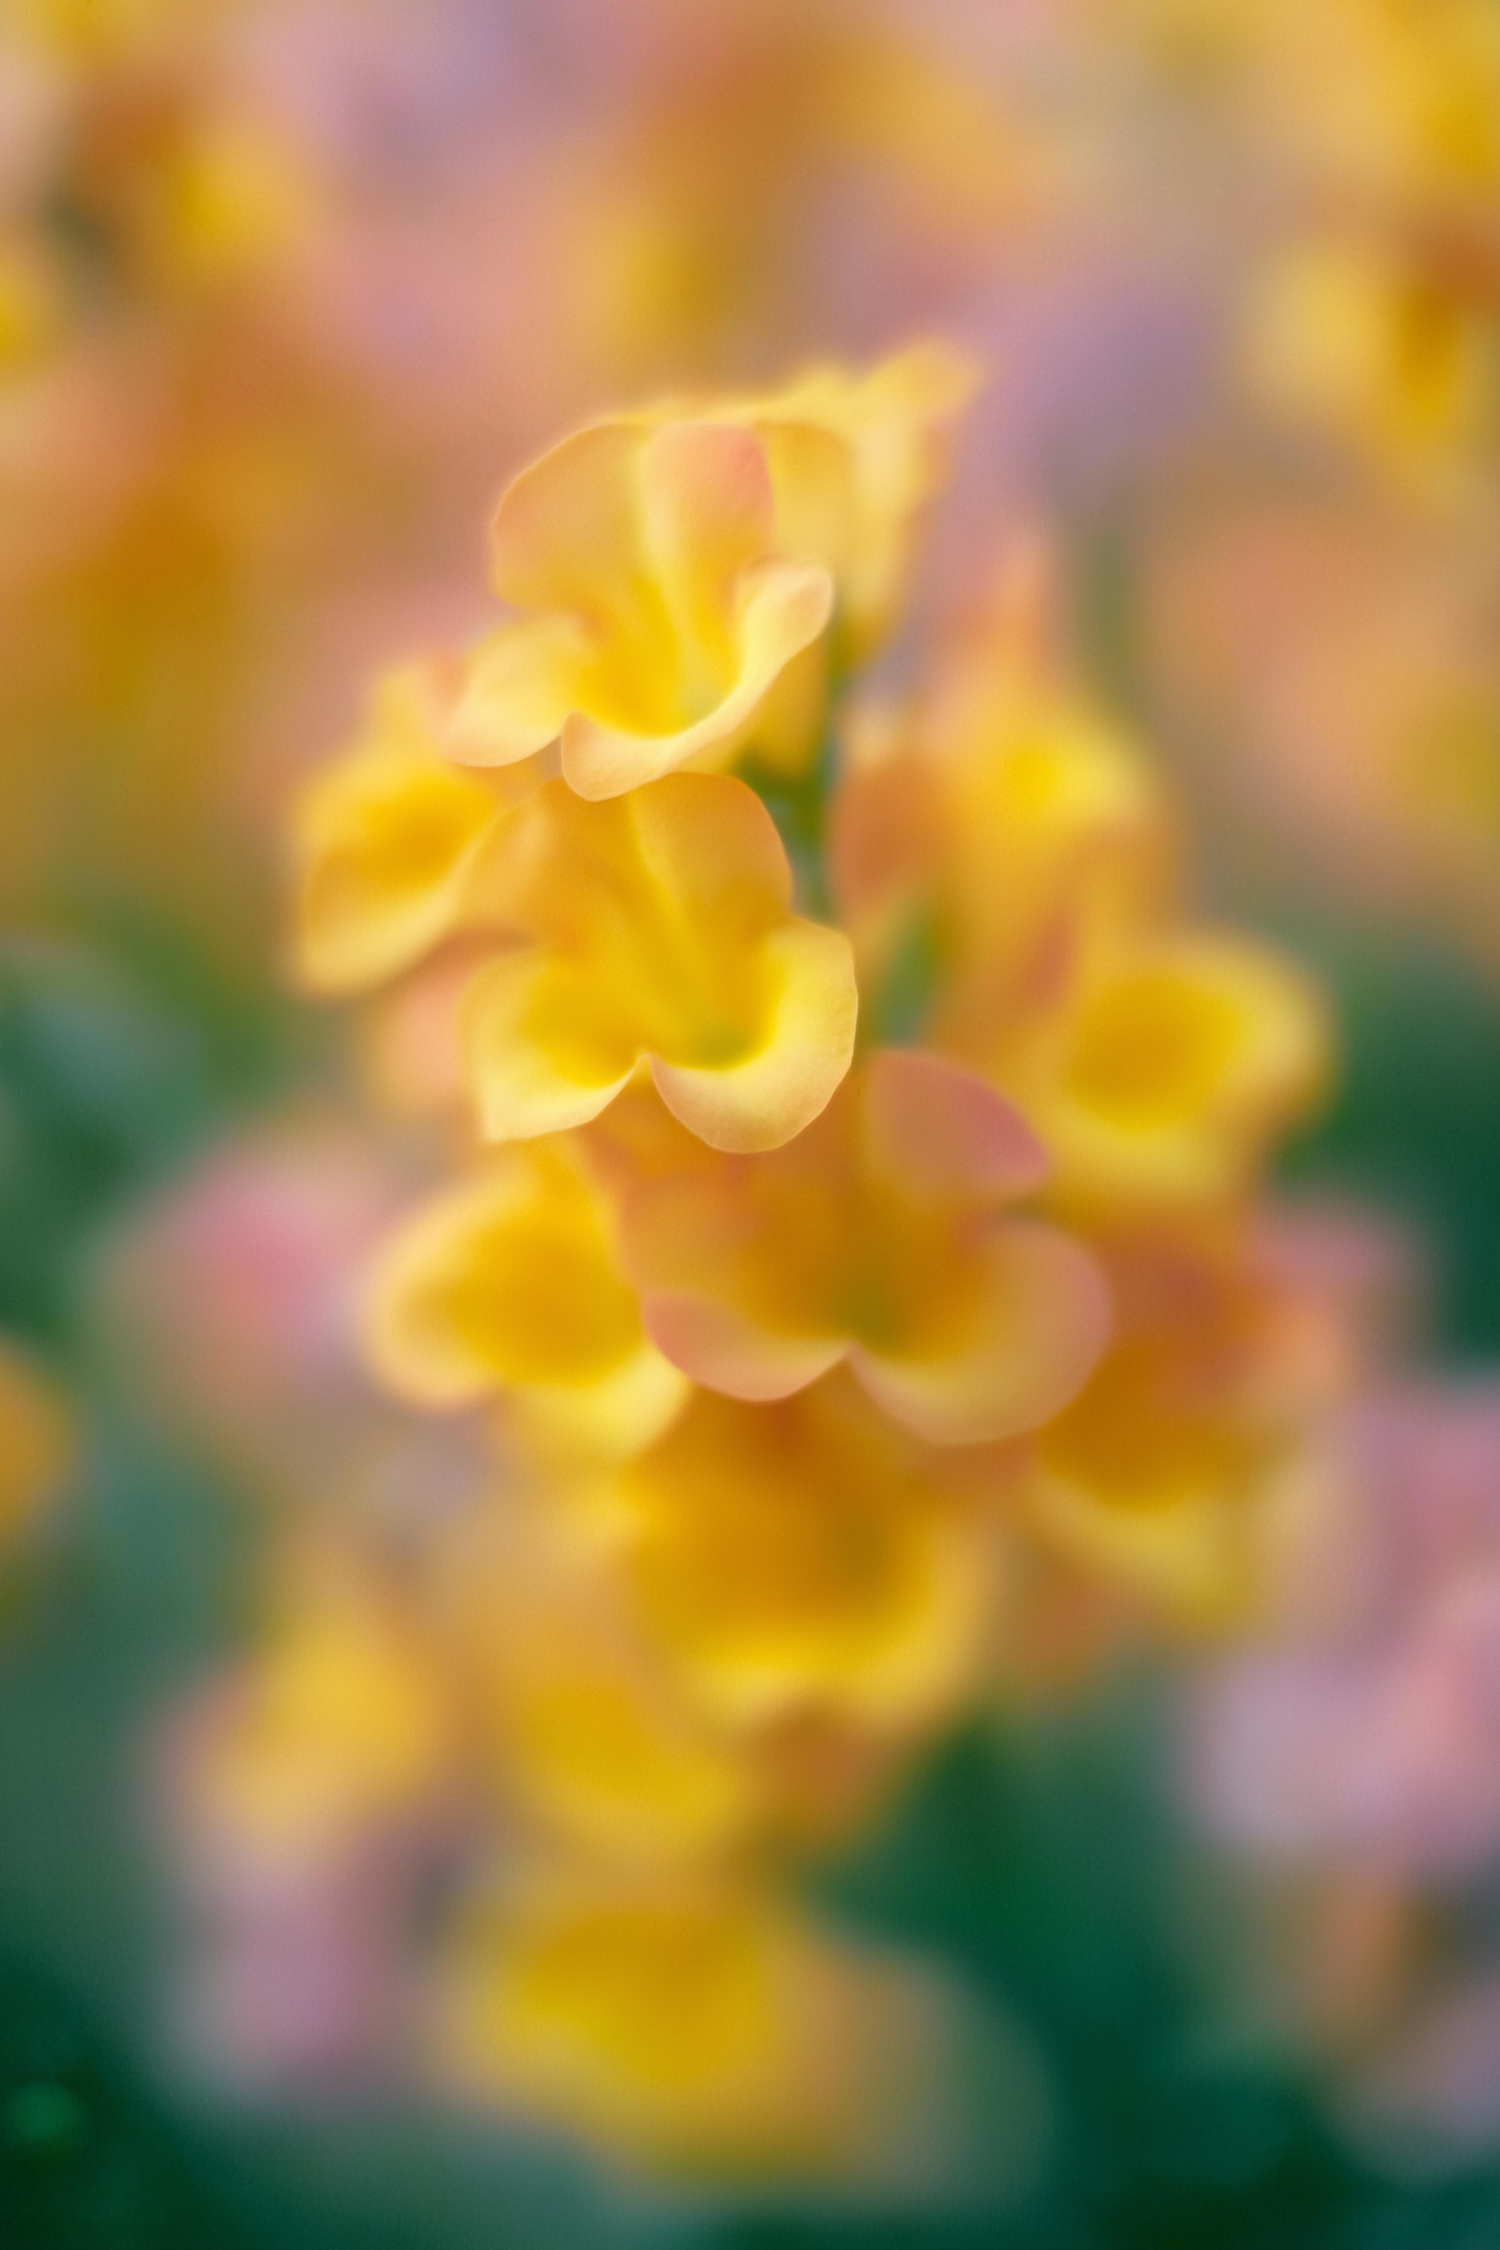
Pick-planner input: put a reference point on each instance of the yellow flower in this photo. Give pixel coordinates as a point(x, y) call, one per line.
point(36, 1441)
point(700, 2026)
point(658, 606)
point(1011, 858)
point(662, 936)
point(1356, 336)
point(1389, 104)
point(988, 843)
point(587, 1737)
point(882, 1236)
point(510, 1287)
point(389, 840)
point(341, 1721)
point(806, 1556)
point(1153, 1475)
point(854, 458)
point(1164, 1079)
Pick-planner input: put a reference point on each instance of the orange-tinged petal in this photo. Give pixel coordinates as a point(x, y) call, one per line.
point(658, 606)
point(707, 513)
point(1039, 1329)
point(939, 1131)
point(566, 536)
point(718, 1345)
point(1152, 1476)
point(989, 843)
point(872, 1238)
point(853, 459)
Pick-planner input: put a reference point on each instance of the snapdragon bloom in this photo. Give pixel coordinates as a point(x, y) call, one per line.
point(661, 937)
point(657, 606)
point(511, 1287)
point(881, 1236)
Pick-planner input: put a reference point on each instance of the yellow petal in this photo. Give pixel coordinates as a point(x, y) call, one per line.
point(659, 608)
point(543, 1054)
point(878, 1235)
point(387, 841)
point(587, 1736)
point(566, 537)
point(701, 2027)
point(1037, 1330)
point(808, 1044)
point(512, 1282)
point(780, 609)
point(1180, 1063)
point(663, 936)
point(342, 1720)
point(805, 1555)
point(853, 459)
point(518, 688)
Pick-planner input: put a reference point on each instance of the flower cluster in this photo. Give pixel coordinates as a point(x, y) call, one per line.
point(823, 1288)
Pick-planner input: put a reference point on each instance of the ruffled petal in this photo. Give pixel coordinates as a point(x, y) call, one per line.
point(566, 535)
point(542, 1056)
point(940, 1131)
point(510, 1281)
point(1038, 1329)
point(707, 514)
point(805, 1556)
point(718, 1345)
point(518, 689)
point(804, 1052)
point(1184, 1056)
point(782, 608)
point(611, 1419)
point(387, 841)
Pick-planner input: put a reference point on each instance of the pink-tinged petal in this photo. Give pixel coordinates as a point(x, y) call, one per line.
point(717, 1346)
point(1040, 1328)
point(518, 689)
point(768, 1099)
point(566, 535)
point(939, 1130)
point(785, 606)
point(522, 1085)
point(707, 514)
